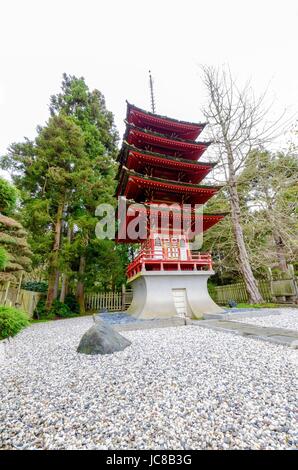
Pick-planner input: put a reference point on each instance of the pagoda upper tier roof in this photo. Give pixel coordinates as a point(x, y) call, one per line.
point(162, 124)
point(164, 166)
point(159, 143)
point(198, 223)
point(143, 188)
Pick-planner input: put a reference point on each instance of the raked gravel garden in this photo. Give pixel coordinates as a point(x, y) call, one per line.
point(173, 388)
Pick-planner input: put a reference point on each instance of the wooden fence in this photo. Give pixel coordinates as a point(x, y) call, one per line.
point(12, 295)
point(112, 301)
point(104, 300)
point(281, 290)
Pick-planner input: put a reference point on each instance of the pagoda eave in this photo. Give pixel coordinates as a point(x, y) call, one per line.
point(159, 143)
point(144, 119)
point(166, 167)
point(127, 149)
point(197, 223)
point(133, 185)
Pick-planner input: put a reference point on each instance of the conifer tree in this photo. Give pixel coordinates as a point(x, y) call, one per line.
point(63, 175)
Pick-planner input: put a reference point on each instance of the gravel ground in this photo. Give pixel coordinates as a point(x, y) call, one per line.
point(288, 319)
point(173, 388)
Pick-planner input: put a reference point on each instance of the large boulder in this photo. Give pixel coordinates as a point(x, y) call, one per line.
point(102, 339)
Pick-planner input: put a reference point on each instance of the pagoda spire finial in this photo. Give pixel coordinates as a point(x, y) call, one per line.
point(151, 92)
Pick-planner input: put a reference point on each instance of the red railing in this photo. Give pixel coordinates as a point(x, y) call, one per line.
point(146, 261)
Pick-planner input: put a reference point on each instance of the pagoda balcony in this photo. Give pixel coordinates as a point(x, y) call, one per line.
point(146, 260)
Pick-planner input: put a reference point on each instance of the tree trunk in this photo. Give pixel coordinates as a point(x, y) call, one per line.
point(80, 295)
point(65, 277)
point(54, 274)
point(56, 286)
point(64, 287)
point(244, 265)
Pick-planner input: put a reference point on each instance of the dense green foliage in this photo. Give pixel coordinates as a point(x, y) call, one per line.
point(72, 303)
point(4, 258)
point(12, 321)
point(58, 309)
point(40, 310)
point(35, 286)
point(8, 197)
point(63, 175)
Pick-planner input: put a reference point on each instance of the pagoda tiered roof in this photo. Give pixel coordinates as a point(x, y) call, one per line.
point(163, 124)
point(160, 143)
point(143, 188)
point(163, 166)
point(159, 165)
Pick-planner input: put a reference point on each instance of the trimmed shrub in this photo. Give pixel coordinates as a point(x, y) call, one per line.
point(40, 312)
point(60, 309)
point(35, 286)
point(12, 321)
point(72, 303)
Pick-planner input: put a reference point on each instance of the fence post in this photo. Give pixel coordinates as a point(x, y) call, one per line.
point(6, 292)
point(123, 298)
point(270, 277)
point(292, 274)
point(19, 290)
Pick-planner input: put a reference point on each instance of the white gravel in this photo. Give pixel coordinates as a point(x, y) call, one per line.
point(173, 388)
point(288, 319)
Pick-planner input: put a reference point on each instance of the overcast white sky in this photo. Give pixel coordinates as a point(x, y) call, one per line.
point(113, 43)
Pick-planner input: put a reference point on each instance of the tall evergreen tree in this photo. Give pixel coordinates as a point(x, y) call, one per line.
point(64, 174)
point(88, 110)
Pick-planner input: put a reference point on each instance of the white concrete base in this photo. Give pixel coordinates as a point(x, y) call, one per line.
point(154, 294)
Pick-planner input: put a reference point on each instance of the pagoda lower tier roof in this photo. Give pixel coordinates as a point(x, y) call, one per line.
point(162, 124)
point(146, 216)
point(159, 143)
point(164, 166)
point(142, 188)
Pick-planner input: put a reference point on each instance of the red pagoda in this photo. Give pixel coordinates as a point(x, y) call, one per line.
point(159, 181)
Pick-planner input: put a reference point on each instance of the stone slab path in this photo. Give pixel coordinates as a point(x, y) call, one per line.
point(273, 335)
point(150, 324)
